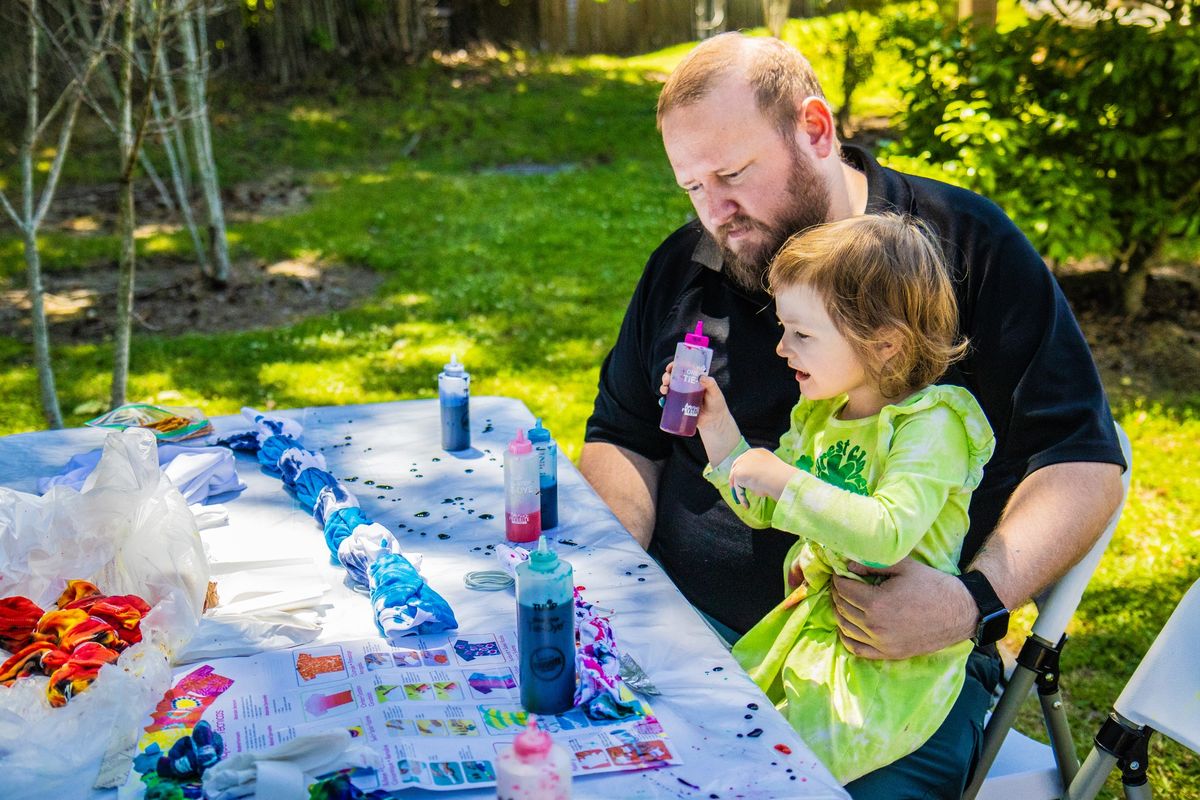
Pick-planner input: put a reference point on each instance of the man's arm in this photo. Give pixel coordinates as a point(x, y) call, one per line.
point(627, 482)
point(1052, 519)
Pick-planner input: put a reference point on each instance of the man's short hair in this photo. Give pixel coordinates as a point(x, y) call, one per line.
point(780, 76)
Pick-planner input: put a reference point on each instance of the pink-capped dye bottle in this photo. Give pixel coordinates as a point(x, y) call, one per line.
point(522, 501)
point(682, 406)
point(534, 768)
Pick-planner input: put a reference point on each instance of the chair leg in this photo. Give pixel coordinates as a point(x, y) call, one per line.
point(1000, 724)
point(1037, 661)
point(1118, 743)
point(1055, 714)
point(1091, 776)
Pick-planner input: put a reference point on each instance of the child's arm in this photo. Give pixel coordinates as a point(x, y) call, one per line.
point(928, 460)
point(751, 480)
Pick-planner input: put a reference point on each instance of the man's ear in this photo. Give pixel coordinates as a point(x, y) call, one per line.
point(814, 123)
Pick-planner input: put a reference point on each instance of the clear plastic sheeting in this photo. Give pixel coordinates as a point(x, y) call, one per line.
point(129, 531)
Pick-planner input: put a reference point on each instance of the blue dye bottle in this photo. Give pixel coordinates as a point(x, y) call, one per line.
point(454, 397)
point(547, 456)
point(546, 632)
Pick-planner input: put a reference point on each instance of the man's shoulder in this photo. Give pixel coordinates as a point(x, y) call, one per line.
point(953, 210)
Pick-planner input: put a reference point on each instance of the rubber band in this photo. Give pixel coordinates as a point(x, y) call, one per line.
point(488, 580)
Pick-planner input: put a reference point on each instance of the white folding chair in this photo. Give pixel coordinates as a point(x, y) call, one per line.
point(1162, 695)
point(1013, 765)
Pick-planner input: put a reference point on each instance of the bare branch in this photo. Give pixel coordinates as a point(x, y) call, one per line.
point(64, 138)
point(12, 212)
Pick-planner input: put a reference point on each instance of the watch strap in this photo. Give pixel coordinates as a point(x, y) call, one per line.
point(993, 616)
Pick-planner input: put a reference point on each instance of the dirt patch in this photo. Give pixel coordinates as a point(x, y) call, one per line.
point(172, 299)
point(92, 209)
point(1155, 354)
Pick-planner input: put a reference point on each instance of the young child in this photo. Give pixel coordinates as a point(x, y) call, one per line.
point(877, 465)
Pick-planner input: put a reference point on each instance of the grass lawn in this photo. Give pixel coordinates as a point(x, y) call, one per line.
point(524, 273)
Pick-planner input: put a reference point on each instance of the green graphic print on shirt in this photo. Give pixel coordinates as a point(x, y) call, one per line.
point(842, 464)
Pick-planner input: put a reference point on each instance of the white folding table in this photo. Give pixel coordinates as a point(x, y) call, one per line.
point(389, 455)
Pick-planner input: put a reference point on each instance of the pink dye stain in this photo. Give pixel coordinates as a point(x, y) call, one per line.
point(783, 748)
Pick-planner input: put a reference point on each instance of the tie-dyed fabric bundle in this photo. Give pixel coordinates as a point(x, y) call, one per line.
point(71, 642)
point(403, 602)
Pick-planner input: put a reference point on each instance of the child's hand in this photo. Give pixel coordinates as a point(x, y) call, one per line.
point(759, 471)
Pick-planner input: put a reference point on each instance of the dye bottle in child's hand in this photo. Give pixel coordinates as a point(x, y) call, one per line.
point(547, 456)
point(522, 506)
point(546, 632)
point(682, 406)
point(534, 768)
point(454, 395)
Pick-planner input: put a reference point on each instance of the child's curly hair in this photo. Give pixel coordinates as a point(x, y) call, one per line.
point(880, 275)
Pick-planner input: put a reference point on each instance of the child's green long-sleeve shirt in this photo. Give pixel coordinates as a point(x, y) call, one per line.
point(872, 490)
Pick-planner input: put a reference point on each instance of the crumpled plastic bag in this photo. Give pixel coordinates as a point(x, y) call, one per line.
point(129, 531)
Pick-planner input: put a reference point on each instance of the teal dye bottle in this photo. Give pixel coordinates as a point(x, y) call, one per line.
point(546, 632)
point(547, 457)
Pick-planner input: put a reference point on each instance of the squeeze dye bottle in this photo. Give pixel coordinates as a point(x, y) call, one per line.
point(522, 508)
point(534, 768)
point(546, 632)
point(547, 458)
point(454, 396)
point(682, 406)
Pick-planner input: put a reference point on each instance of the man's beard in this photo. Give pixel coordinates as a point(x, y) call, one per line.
point(807, 205)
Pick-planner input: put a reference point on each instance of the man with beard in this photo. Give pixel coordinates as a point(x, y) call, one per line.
point(750, 137)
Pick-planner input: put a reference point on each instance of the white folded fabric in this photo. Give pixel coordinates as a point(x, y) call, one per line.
point(287, 769)
point(223, 636)
point(198, 472)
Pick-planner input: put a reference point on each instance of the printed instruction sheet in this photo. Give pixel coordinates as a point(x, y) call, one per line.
point(438, 710)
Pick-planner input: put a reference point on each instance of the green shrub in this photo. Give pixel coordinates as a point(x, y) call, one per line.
point(1088, 136)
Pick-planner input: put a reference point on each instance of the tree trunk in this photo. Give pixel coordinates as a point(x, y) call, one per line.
point(127, 260)
point(41, 333)
point(195, 78)
point(1132, 280)
point(29, 219)
point(175, 148)
point(775, 14)
point(33, 262)
point(981, 12)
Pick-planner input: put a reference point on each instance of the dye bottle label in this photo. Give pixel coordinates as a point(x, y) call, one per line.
point(681, 409)
point(522, 506)
point(546, 632)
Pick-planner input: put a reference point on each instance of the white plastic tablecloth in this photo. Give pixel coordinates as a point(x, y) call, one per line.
point(389, 455)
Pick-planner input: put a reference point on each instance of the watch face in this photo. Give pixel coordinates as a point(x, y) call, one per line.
point(993, 627)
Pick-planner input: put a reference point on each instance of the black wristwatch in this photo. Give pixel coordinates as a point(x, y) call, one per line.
point(993, 616)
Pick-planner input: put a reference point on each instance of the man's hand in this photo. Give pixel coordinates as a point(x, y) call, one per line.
point(760, 471)
point(915, 610)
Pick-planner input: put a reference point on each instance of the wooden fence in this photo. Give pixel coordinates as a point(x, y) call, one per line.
point(281, 42)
